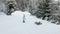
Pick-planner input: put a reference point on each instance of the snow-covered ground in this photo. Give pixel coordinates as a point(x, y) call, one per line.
point(13, 24)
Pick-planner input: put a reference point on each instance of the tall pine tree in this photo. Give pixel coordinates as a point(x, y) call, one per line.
point(43, 9)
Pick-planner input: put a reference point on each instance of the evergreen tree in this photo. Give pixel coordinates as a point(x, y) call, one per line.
point(47, 9)
point(11, 7)
point(43, 9)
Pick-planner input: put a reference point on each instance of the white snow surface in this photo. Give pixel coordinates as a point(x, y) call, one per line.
point(13, 24)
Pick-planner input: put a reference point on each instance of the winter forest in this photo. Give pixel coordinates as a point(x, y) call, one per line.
point(29, 16)
point(45, 9)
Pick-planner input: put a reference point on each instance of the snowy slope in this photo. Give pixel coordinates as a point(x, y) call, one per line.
point(13, 25)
